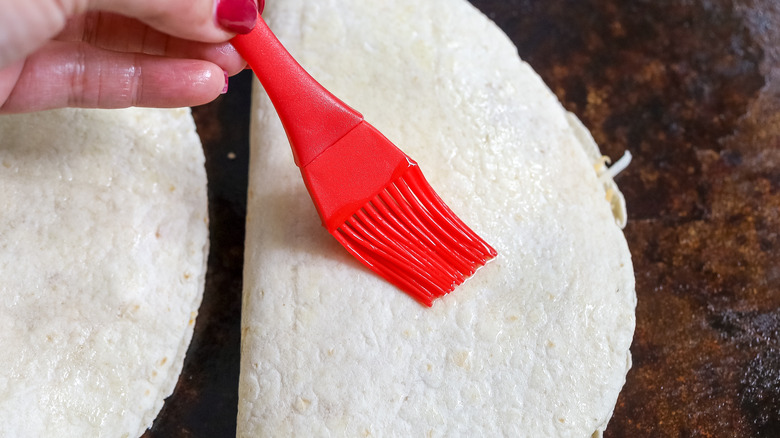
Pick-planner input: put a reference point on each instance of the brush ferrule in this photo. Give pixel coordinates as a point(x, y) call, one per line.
point(345, 176)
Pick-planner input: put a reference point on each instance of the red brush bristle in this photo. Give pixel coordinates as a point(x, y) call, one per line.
point(410, 237)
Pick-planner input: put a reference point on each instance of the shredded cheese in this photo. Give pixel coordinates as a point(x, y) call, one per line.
point(612, 171)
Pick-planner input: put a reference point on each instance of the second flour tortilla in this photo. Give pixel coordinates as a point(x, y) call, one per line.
point(103, 249)
point(535, 344)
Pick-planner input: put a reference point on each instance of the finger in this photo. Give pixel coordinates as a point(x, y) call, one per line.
point(199, 20)
point(64, 74)
point(119, 33)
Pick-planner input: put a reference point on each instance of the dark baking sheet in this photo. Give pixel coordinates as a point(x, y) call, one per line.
point(692, 89)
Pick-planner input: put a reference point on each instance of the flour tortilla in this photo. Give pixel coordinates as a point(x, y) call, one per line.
point(535, 344)
point(103, 253)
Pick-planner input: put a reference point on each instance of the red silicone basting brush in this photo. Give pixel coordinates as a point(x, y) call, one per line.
point(370, 196)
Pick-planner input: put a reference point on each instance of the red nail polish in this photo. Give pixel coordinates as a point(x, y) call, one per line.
point(237, 16)
point(225, 88)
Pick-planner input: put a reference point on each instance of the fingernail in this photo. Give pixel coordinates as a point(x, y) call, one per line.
point(237, 16)
point(225, 88)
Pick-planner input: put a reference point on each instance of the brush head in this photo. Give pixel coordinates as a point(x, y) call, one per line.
point(370, 195)
point(410, 237)
point(376, 202)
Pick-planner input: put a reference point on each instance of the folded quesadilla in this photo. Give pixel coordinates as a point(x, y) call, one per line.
point(535, 344)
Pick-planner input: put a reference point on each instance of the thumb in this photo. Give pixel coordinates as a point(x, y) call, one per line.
point(211, 21)
point(26, 25)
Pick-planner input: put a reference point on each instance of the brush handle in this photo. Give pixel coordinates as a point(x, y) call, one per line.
point(312, 117)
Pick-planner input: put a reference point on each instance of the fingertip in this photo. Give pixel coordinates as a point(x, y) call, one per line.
point(197, 83)
point(228, 58)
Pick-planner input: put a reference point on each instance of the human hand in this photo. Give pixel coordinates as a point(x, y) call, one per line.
point(118, 53)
